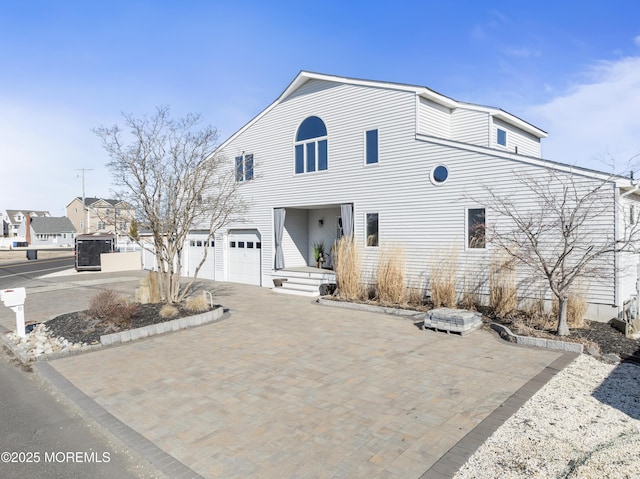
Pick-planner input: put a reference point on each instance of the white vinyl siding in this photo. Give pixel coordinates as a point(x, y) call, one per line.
point(525, 143)
point(428, 221)
point(434, 119)
point(470, 126)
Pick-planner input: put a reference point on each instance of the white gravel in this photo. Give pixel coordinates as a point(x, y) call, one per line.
point(584, 423)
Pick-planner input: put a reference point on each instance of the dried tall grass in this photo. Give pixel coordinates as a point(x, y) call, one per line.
point(390, 276)
point(576, 309)
point(442, 280)
point(347, 269)
point(471, 285)
point(503, 295)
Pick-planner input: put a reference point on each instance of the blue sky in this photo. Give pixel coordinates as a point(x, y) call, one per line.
point(571, 68)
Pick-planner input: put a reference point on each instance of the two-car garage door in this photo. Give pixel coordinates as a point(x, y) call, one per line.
point(244, 254)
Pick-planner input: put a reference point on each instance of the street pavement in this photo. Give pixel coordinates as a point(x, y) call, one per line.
point(286, 388)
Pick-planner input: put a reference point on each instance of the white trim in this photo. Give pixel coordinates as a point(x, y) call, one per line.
point(366, 227)
point(432, 171)
point(467, 248)
point(620, 181)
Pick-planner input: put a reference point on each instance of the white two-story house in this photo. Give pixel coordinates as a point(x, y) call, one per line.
point(389, 163)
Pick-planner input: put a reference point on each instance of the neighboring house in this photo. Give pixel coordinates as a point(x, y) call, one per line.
point(100, 215)
point(392, 164)
point(14, 218)
point(48, 231)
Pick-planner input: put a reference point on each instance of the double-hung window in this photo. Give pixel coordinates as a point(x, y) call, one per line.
point(244, 167)
point(311, 149)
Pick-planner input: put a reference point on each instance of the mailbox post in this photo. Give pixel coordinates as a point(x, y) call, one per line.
point(14, 299)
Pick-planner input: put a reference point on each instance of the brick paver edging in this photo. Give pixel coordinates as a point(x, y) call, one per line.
point(405, 313)
point(458, 455)
point(135, 441)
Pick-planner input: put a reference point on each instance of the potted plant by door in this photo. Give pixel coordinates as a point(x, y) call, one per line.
point(318, 253)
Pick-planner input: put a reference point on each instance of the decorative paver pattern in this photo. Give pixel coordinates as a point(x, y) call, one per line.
point(285, 388)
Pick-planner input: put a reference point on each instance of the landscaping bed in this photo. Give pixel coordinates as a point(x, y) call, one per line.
point(79, 327)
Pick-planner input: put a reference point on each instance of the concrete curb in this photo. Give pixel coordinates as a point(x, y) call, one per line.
point(505, 333)
point(115, 339)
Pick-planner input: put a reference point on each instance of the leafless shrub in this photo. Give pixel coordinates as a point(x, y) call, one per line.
point(390, 276)
point(503, 296)
point(108, 306)
point(347, 269)
point(442, 280)
point(169, 311)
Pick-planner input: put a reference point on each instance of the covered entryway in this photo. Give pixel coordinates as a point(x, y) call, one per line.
point(244, 254)
point(198, 243)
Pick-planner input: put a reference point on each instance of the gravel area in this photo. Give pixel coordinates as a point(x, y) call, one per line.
point(584, 423)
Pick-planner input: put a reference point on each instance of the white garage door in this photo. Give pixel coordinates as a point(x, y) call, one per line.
point(197, 246)
point(244, 256)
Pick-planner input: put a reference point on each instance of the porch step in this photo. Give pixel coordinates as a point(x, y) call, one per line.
point(303, 282)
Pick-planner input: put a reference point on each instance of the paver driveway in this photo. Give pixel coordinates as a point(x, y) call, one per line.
point(286, 388)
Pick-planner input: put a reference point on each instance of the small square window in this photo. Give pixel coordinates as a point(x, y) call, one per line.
point(258, 245)
point(372, 229)
point(232, 244)
point(240, 244)
point(199, 243)
point(502, 137)
point(249, 244)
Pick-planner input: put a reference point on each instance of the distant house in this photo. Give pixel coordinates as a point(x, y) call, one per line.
point(12, 219)
point(100, 215)
point(48, 231)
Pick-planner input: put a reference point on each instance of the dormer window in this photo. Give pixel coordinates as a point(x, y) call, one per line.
point(311, 151)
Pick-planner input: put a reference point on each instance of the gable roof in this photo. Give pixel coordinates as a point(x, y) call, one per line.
point(52, 225)
point(422, 91)
point(429, 94)
point(34, 213)
point(91, 201)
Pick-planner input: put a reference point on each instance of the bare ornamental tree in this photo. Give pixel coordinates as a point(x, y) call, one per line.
point(562, 227)
point(165, 169)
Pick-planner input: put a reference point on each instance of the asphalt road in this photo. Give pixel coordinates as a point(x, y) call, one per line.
point(13, 274)
point(42, 436)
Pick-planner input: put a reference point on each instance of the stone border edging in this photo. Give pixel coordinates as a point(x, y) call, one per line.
point(161, 328)
point(409, 313)
point(505, 333)
point(115, 339)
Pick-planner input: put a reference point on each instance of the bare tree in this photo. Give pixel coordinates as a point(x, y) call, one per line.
point(563, 227)
point(168, 174)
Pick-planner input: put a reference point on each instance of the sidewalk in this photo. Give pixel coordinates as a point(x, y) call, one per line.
point(285, 388)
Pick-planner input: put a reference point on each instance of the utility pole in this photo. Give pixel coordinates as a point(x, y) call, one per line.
point(84, 206)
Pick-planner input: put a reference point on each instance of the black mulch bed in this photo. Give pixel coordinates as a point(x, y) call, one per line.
point(78, 327)
point(608, 339)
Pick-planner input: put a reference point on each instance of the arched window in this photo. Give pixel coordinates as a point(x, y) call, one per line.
point(311, 146)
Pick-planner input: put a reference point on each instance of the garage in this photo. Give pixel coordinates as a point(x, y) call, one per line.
point(244, 254)
point(195, 251)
